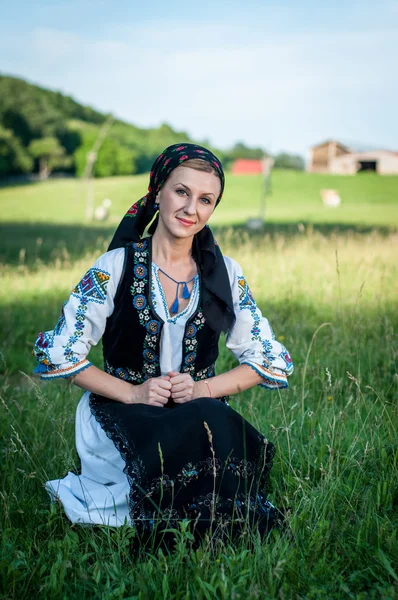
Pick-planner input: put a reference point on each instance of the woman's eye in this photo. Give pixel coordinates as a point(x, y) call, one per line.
point(206, 200)
point(181, 191)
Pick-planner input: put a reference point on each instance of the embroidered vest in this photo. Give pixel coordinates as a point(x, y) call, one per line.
point(131, 342)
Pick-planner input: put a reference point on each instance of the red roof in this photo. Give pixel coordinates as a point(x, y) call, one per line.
point(246, 166)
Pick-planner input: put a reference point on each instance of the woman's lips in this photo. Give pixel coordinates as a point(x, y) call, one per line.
point(185, 222)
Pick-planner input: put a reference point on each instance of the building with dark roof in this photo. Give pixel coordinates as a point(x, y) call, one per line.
point(334, 157)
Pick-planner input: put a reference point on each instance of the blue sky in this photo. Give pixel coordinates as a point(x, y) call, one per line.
point(282, 75)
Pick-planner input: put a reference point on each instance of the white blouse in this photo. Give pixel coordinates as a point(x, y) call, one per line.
point(63, 351)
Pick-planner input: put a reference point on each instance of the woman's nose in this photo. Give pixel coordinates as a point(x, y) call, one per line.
point(190, 206)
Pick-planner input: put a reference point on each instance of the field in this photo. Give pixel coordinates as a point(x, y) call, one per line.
point(327, 279)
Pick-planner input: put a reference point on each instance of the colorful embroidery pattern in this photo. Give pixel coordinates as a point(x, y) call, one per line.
point(270, 378)
point(52, 372)
point(164, 301)
point(190, 343)
point(44, 342)
point(61, 322)
point(93, 286)
point(285, 356)
point(133, 210)
point(124, 373)
point(246, 301)
point(208, 467)
point(70, 355)
point(239, 468)
point(152, 497)
point(46, 369)
point(153, 327)
point(205, 373)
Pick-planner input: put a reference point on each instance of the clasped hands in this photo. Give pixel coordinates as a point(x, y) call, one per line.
point(158, 390)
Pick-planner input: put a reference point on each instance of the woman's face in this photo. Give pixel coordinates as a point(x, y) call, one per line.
point(187, 200)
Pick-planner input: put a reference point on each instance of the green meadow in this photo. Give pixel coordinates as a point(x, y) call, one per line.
point(327, 279)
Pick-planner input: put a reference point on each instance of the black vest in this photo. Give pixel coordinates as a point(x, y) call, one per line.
point(131, 342)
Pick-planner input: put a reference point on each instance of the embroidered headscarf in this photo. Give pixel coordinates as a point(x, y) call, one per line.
point(216, 294)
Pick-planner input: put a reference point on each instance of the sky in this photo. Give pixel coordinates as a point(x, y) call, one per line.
point(283, 75)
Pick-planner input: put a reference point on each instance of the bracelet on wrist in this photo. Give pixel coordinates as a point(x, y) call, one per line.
point(208, 388)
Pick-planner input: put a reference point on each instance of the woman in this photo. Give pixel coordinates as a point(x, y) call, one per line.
point(156, 437)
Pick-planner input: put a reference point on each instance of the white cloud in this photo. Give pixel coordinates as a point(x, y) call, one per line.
point(222, 82)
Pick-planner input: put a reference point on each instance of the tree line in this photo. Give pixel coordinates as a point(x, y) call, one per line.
point(42, 131)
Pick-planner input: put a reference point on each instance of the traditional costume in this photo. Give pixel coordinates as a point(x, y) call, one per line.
point(147, 465)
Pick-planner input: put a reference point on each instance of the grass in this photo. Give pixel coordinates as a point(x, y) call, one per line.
point(329, 289)
point(43, 220)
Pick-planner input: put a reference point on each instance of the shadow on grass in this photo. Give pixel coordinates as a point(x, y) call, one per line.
point(298, 229)
point(11, 183)
point(26, 243)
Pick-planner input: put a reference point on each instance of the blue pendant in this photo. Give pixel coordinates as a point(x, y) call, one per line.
point(185, 292)
point(174, 307)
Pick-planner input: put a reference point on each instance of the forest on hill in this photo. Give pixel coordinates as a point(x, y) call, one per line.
point(44, 131)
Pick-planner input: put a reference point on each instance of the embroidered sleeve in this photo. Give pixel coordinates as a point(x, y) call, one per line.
point(252, 340)
point(63, 351)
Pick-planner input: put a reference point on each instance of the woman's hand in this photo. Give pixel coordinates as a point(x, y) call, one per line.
point(184, 388)
point(155, 392)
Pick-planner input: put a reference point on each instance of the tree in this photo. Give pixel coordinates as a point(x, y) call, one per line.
point(49, 152)
point(125, 161)
point(240, 150)
point(289, 161)
point(106, 163)
point(13, 157)
point(60, 133)
point(88, 136)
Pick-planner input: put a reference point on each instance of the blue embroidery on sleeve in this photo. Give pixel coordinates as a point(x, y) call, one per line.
point(93, 286)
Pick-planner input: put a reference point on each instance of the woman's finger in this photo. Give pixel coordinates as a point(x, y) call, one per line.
point(161, 393)
point(179, 379)
point(180, 400)
point(179, 387)
point(164, 384)
point(173, 373)
point(180, 395)
point(157, 397)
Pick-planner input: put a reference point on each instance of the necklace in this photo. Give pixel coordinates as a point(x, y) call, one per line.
point(186, 294)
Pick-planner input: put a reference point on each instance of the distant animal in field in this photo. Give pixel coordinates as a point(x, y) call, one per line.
point(330, 198)
point(101, 213)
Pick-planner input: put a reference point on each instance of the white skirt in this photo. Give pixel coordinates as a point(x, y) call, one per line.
point(100, 494)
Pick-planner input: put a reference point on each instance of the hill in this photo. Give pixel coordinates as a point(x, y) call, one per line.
point(43, 131)
point(36, 123)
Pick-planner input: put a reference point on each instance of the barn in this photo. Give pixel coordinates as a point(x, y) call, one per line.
point(333, 157)
point(247, 166)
